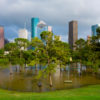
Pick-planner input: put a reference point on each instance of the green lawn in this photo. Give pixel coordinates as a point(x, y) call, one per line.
point(86, 93)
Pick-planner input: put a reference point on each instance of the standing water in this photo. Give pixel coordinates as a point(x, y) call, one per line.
point(27, 82)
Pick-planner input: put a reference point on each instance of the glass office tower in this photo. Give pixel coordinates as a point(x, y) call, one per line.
point(40, 28)
point(37, 27)
point(34, 23)
point(94, 28)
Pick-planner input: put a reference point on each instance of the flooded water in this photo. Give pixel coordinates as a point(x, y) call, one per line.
point(27, 82)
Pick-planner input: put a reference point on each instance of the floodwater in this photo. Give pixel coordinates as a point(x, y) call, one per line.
point(27, 82)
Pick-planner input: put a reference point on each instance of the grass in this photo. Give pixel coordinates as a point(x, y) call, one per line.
point(86, 93)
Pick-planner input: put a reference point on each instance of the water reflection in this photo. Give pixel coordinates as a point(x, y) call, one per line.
point(73, 76)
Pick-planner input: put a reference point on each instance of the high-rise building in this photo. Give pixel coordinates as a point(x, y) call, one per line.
point(1, 37)
point(88, 39)
point(94, 28)
point(23, 33)
point(34, 23)
point(40, 28)
point(6, 41)
point(50, 28)
point(73, 33)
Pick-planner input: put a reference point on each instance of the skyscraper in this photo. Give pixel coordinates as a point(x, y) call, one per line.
point(34, 23)
point(50, 28)
point(42, 26)
point(38, 27)
point(23, 33)
point(73, 33)
point(1, 37)
point(94, 28)
point(88, 39)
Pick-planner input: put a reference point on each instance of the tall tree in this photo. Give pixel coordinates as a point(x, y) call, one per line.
point(11, 48)
point(22, 45)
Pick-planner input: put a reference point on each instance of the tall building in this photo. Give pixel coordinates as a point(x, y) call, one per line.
point(50, 28)
point(94, 28)
point(1, 37)
point(23, 33)
point(88, 39)
point(6, 41)
point(38, 27)
point(73, 33)
point(34, 23)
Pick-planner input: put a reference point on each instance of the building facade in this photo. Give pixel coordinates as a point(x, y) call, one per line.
point(38, 27)
point(50, 28)
point(23, 33)
point(88, 39)
point(94, 28)
point(34, 23)
point(73, 34)
point(6, 41)
point(1, 37)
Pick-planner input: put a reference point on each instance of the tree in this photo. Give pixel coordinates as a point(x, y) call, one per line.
point(3, 60)
point(57, 52)
point(22, 45)
point(11, 48)
point(38, 46)
point(62, 52)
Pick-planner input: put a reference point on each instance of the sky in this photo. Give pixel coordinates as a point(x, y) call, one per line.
point(57, 13)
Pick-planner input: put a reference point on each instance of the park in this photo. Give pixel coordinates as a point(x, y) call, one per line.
point(47, 68)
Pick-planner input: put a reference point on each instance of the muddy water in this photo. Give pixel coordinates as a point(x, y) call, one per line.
point(27, 81)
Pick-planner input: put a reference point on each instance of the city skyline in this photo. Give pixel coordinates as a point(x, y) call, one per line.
point(54, 12)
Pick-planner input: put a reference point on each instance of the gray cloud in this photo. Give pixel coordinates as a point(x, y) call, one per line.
point(55, 12)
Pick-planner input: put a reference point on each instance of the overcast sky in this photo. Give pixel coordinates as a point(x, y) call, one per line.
point(57, 13)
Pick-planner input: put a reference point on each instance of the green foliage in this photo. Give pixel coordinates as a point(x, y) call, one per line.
point(88, 54)
point(22, 43)
point(4, 62)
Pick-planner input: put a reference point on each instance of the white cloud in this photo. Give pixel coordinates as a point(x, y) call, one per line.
point(54, 12)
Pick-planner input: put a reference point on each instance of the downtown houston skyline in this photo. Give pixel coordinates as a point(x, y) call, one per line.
point(15, 13)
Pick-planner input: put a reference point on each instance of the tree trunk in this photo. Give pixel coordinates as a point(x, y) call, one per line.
point(36, 69)
point(50, 80)
point(60, 71)
point(16, 68)
point(20, 69)
point(81, 68)
point(40, 67)
point(11, 71)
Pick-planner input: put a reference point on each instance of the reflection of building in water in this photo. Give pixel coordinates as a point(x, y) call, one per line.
point(57, 73)
point(79, 68)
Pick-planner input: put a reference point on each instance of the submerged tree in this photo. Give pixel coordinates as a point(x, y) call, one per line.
point(57, 52)
point(11, 49)
point(22, 45)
